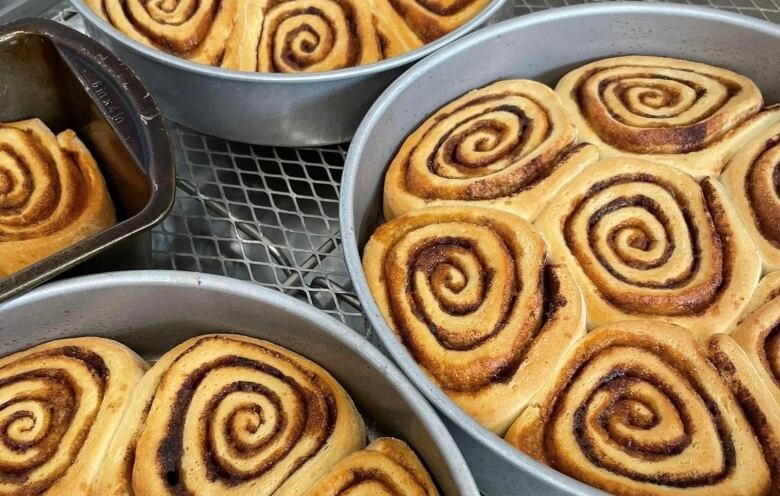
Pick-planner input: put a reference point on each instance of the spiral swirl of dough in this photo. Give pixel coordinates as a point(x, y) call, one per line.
point(60, 404)
point(432, 19)
point(317, 36)
point(681, 113)
point(387, 467)
point(197, 30)
point(752, 180)
point(636, 408)
point(758, 333)
point(468, 292)
point(52, 194)
point(753, 395)
point(510, 145)
point(231, 415)
point(647, 241)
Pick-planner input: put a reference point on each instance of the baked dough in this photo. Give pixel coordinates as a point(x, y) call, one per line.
point(754, 396)
point(386, 467)
point(752, 180)
point(52, 194)
point(677, 112)
point(510, 145)
point(290, 36)
point(468, 291)
point(759, 332)
point(636, 409)
point(647, 241)
point(60, 405)
point(231, 415)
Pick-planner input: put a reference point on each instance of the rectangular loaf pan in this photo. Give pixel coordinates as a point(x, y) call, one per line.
point(70, 82)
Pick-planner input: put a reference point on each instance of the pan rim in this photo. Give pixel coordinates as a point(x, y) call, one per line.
point(257, 77)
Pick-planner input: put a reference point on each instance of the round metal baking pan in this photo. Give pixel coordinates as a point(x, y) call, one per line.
point(268, 109)
point(153, 311)
point(541, 46)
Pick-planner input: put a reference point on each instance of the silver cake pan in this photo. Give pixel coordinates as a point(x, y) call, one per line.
point(153, 311)
point(542, 46)
point(267, 109)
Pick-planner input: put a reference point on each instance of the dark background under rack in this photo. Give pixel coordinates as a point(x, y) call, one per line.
point(270, 215)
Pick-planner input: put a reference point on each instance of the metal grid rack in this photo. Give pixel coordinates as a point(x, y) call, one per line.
point(270, 215)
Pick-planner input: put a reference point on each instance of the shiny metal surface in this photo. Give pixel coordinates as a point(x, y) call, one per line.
point(540, 46)
point(268, 109)
point(71, 82)
point(152, 311)
point(11, 10)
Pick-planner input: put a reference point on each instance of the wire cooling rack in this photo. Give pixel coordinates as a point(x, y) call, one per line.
point(270, 215)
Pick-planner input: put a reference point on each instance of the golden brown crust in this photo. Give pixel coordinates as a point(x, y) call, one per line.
point(60, 405)
point(197, 31)
point(753, 395)
point(646, 241)
point(52, 194)
point(468, 292)
point(386, 467)
point(768, 290)
point(636, 409)
point(752, 180)
point(432, 19)
point(758, 334)
point(395, 35)
point(510, 146)
point(286, 35)
point(317, 36)
point(229, 415)
point(681, 113)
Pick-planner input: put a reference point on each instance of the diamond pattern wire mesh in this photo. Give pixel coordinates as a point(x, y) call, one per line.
point(270, 215)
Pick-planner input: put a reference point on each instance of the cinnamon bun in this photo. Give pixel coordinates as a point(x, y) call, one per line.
point(752, 180)
point(677, 112)
point(469, 293)
point(753, 395)
point(636, 408)
point(52, 194)
point(387, 467)
point(228, 415)
point(647, 241)
point(510, 145)
point(60, 405)
point(758, 334)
